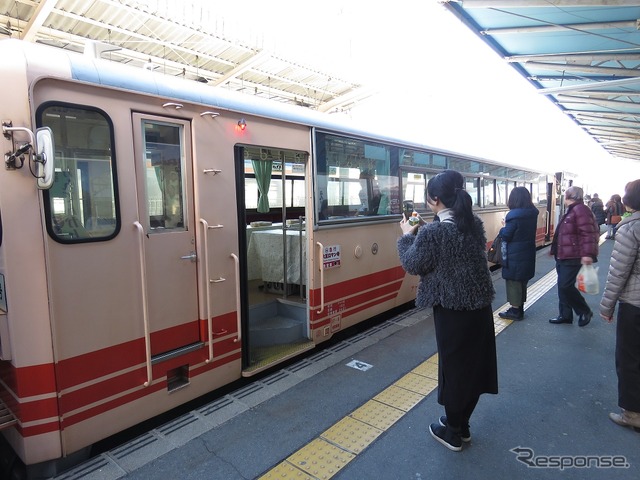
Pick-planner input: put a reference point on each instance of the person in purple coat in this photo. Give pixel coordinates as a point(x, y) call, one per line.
point(519, 257)
point(575, 243)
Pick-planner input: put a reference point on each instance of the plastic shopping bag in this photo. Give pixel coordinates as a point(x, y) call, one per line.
point(587, 280)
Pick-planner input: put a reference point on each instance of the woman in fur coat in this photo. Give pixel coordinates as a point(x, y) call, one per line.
point(450, 257)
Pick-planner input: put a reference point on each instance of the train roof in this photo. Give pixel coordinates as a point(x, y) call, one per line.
point(48, 61)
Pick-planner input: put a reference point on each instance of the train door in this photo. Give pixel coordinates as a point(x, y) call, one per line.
point(166, 228)
point(273, 236)
point(549, 221)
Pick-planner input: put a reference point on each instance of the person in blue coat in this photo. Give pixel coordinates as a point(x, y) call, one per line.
point(519, 257)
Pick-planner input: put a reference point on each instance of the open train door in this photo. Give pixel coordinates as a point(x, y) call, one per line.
point(272, 211)
point(166, 231)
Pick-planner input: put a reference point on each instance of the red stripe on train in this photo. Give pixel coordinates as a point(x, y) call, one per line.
point(117, 402)
point(89, 394)
point(340, 290)
point(40, 429)
point(118, 358)
point(21, 380)
point(350, 306)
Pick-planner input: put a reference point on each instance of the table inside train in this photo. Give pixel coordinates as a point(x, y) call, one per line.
point(265, 256)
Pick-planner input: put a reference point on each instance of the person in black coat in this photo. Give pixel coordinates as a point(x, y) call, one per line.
point(597, 207)
point(519, 258)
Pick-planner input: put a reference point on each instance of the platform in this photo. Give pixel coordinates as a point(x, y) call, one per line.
point(361, 409)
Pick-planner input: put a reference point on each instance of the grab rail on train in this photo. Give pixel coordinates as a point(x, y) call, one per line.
point(207, 294)
point(301, 221)
point(547, 224)
point(208, 282)
point(145, 302)
point(236, 261)
point(320, 264)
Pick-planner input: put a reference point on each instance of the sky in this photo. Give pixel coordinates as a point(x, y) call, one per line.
point(436, 82)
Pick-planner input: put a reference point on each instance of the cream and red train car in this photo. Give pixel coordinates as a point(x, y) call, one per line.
point(161, 238)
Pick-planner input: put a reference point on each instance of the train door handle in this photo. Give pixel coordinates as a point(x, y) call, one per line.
point(192, 256)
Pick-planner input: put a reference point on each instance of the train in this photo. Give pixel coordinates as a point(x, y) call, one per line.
point(161, 238)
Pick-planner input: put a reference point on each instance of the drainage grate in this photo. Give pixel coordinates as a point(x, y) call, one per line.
point(320, 356)
point(134, 446)
point(176, 425)
point(340, 346)
point(215, 406)
point(87, 468)
point(361, 336)
point(248, 390)
point(298, 366)
point(275, 377)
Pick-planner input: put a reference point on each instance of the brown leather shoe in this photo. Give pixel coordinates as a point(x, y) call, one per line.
point(626, 418)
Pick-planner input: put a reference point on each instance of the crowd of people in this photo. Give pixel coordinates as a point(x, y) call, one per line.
point(609, 214)
point(449, 255)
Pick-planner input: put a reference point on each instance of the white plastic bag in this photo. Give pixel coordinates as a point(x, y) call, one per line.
point(587, 280)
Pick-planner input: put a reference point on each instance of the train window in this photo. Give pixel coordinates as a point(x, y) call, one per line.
point(501, 192)
point(488, 192)
point(356, 178)
point(471, 186)
point(439, 161)
point(274, 184)
point(82, 204)
point(164, 175)
point(413, 188)
point(464, 165)
point(539, 190)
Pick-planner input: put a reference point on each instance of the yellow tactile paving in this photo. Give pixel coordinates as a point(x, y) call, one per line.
point(351, 434)
point(399, 398)
point(499, 324)
point(417, 383)
point(323, 457)
point(378, 414)
point(287, 471)
point(427, 369)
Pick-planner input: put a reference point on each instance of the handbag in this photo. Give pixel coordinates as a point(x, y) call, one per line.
point(615, 219)
point(494, 255)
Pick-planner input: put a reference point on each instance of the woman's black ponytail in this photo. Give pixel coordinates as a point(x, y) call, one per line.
point(448, 187)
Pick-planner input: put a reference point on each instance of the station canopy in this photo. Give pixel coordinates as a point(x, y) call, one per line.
point(584, 55)
point(180, 38)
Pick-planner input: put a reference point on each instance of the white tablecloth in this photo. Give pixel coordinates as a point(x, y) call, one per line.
point(265, 256)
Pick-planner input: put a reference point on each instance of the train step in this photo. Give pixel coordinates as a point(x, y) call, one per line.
point(7, 419)
point(263, 358)
point(278, 329)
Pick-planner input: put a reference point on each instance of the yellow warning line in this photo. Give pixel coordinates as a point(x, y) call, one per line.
point(326, 455)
